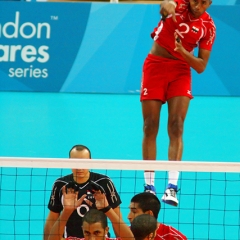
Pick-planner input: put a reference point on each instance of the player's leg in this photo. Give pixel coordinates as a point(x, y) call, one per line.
point(177, 110)
point(153, 89)
point(151, 113)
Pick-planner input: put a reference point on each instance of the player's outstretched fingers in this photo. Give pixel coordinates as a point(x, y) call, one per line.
point(101, 200)
point(88, 202)
point(95, 192)
point(80, 200)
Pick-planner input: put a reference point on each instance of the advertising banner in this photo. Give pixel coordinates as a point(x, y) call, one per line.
point(100, 48)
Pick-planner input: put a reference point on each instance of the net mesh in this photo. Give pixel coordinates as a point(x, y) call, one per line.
point(209, 197)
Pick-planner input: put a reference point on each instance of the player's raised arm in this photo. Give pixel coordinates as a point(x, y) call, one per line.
point(70, 203)
point(168, 8)
point(120, 227)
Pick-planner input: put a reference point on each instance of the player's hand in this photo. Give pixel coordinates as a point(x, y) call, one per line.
point(101, 200)
point(178, 43)
point(167, 9)
point(70, 199)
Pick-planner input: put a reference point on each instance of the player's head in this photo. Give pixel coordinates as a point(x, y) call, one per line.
point(80, 151)
point(144, 227)
point(198, 7)
point(142, 203)
point(94, 225)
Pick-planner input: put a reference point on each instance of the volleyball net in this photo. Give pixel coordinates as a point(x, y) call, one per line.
point(209, 196)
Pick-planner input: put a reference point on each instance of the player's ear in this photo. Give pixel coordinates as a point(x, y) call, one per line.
point(150, 236)
point(106, 230)
point(149, 212)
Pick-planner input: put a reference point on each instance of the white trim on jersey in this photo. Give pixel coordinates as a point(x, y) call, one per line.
point(103, 179)
point(173, 233)
point(100, 186)
point(83, 186)
point(176, 233)
point(112, 192)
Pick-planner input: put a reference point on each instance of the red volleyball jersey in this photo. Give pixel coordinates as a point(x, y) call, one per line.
point(192, 31)
point(165, 232)
point(75, 238)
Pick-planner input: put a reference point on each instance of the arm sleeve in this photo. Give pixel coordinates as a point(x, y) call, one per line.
point(181, 5)
point(55, 204)
point(207, 41)
point(175, 234)
point(111, 193)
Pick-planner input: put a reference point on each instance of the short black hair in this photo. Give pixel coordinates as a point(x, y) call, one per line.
point(94, 216)
point(147, 201)
point(80, 147)
point(143, 225)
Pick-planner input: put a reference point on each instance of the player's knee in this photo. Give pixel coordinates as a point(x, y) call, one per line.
point(150, 127)
point(175, 127)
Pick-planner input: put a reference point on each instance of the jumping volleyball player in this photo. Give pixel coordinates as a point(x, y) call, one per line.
point(184, 25)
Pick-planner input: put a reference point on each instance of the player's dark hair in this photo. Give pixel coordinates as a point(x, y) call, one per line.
point(94, 216)
point(80, 147)
point(147, 201)
point(143, 225)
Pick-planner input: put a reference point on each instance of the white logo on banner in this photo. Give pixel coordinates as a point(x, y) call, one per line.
point(27, 53)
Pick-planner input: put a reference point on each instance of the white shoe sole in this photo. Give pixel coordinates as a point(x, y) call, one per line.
point(170, 200)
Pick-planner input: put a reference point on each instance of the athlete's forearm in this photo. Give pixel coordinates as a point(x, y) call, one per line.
point(118, 212)
point(195, 62)
point(47, 230)
point(58, 227)
point(51, 219)
point(120, 227)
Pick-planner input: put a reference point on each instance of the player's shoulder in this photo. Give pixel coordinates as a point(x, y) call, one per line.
point(177, 233)
point(207, 20)
point(98, 177)
point(64, 179)
point(166, 230)
point(182, 5)
point(105, 182)
point(74, 238)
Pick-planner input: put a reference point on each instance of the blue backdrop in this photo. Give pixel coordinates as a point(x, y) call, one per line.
point(100, 48)
point(49, 124)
